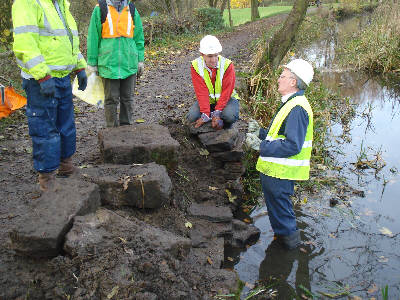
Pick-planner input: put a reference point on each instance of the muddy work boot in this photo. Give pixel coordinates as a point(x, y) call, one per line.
point(66, 168)
point(47, 181)
point(291, 241)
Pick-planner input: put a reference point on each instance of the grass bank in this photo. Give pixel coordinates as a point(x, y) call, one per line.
point(375, 48)
point(243, 15)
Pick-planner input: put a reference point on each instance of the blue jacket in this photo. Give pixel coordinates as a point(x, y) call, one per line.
point(294, 128)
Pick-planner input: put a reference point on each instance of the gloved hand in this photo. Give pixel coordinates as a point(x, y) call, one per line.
point(47, 86)
point(140, 69)
point(82, 80)
point(253, 141)
point(92, 69)
point(216, 121)
point(254, 127)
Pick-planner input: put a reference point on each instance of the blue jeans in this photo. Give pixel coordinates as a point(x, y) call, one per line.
point(229, 115)
point(277, 194)
point(51, 124)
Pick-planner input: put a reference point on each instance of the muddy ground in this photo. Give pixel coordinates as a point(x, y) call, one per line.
point(164, 95)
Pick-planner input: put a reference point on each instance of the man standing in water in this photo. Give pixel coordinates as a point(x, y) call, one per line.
point(285, 150)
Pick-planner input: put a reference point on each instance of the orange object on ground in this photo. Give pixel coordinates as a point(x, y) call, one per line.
point(11, 102)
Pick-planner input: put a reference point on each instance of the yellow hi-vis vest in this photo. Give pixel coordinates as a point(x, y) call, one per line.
point(41, 42)
point(214, 92)
point(118, 24)
point(296, 167)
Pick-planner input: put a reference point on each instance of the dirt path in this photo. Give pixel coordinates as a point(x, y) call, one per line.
point(164, 93)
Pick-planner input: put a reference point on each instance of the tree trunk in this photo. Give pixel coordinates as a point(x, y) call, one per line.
point(254, 10)
point(230, 16)
point(223, 5)
point(281, 42)
point(212, 3)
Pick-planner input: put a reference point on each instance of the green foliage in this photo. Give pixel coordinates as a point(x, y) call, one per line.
point(210, 18)
point(5, 24)
point(376, 47)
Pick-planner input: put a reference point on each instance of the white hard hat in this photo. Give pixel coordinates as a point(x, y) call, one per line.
point(210, 45)
point(301, 69)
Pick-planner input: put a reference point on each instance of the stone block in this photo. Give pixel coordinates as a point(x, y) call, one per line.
point(142, 143)
point(210, 212)
point(42, 231)
point(234, 155)
point(142, 186)
point(219, 141)
point(244, 234)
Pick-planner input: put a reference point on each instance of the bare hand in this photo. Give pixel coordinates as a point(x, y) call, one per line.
point(198, 123)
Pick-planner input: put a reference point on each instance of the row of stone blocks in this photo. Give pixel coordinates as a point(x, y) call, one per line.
point(127, 179)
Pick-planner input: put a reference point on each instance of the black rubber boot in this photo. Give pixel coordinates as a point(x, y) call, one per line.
point(291, 241)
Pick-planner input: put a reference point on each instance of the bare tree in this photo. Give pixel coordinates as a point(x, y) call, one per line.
point(255, 14)
point(279, 45)
point(230, 16)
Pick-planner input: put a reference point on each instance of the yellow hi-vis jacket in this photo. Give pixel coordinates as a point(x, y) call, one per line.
point(41, 41)
point(214, 92)
point(118, 24)
point(296, 167)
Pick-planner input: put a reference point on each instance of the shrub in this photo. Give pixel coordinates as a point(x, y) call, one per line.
point(163, 25)
point(209, 18)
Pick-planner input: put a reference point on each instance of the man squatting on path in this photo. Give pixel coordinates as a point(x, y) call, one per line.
point(213, 78)
point(285, 150)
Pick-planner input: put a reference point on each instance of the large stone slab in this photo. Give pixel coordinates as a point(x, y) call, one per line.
point(142, 143)
point(103, 228)
point(219, 141)
point(143, 186)
point(210, 212)
point(42, 231)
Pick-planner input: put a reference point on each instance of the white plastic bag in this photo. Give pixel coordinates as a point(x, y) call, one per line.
point(94, 92)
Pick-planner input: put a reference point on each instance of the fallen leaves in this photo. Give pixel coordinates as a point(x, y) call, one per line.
point(188, 225)
point(204, 152)
point(386, 231)
point(230, 196)
point(140, 121)
point(114, 292)
point(209, 260)
point(383, 259)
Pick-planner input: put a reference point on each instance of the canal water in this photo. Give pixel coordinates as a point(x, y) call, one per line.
point(351, 249)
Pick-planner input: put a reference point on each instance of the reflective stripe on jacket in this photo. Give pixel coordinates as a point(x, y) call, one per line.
point(296, 167)
point(41, 41)
point(118, 57)
point(214, 91)
point(118, 24)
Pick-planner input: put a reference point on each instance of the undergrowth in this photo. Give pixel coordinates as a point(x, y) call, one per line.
point(375, 48)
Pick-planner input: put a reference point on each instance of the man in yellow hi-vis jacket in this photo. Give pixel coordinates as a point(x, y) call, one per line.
point(46, 46)
point(285, 150)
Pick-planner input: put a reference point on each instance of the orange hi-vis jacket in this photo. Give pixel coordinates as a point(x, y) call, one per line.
point(118, 24)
